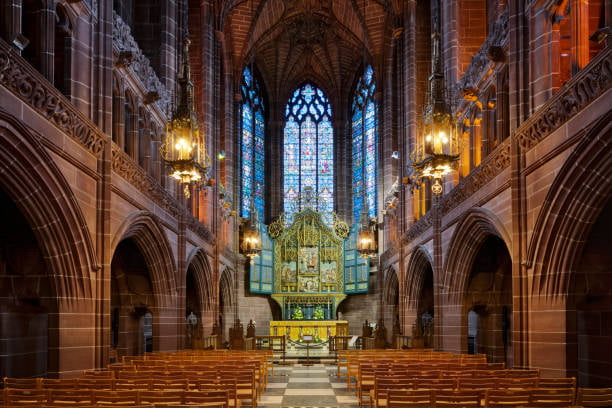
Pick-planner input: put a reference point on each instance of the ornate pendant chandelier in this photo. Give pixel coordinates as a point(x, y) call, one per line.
point(183, 147)
point(437, 149)
point(251, 237)
point(366, 236)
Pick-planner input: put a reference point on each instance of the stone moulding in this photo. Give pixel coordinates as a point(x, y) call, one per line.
point(419, 227)
point(124, 42)
point(125, 167)
point(32, 88)
point(491, 166)
point(577, 93)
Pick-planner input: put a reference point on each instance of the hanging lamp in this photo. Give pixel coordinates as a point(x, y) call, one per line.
point(437, 149)
point(183, 148)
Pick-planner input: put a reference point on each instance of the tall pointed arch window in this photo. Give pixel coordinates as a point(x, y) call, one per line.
point(308, 153)
point(251, 145)
point(364, 141)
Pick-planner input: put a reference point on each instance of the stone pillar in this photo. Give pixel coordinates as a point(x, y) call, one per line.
point(579, 47)
point(11, 19)
point(437, 270)
point(47, 39)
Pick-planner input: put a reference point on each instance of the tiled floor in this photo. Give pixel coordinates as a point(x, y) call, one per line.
point(313, 386)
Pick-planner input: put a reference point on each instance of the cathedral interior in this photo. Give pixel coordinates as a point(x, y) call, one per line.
point(175, 171)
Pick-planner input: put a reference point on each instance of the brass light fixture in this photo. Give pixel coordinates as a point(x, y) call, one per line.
point(437, 150)
point(251, 237)
point(366, 236)
point(183, 147)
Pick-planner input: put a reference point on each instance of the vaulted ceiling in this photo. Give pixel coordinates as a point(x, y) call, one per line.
point(317, 40)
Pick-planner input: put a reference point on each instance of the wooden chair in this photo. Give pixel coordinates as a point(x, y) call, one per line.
point(179, 384)
point(552, 397)
point(161, 397)
point(435, 384)
point(22, 383)
point(140, 384)
point(25, 396)
point(458, 399)
point(211, 398)
point(495, 398)
point(60, 383)
point(569, 382)
point(73, 397)
point(380, 395)
point(98, 373)
point(410, 398)
point(594, 397)
point(115, 398)
point(100, 383)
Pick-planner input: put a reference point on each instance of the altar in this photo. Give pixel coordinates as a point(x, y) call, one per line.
point(319, 329)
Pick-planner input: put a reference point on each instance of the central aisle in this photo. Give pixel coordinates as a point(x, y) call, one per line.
point(313, 386)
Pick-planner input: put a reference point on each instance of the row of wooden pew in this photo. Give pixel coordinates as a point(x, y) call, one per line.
point(430, 379)
point(214, 378)
point(496, 398)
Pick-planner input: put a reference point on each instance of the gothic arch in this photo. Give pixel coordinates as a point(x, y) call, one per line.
point(30, 177)
point(142, 228)
point(419, 260)
point(472, 230)
point(573, 203)
point(226, 288)
point(390, 287)
point(198, 263)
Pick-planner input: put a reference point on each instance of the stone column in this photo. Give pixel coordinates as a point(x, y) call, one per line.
point(47, 39)
point(11, 19)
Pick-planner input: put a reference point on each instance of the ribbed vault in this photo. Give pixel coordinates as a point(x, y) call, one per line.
point(317, 40)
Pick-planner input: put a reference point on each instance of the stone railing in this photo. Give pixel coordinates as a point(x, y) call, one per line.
point(577, 93)
point(131, 56)
point(490, 52)
point(19, 77)
point(125, 167)
point(491, 166)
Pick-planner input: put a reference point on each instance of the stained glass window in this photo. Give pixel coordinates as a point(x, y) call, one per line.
point(365, 139)
point(251, 146)
point(309, 153)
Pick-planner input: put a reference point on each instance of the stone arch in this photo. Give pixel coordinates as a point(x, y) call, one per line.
point(198, 262)
point(473, 229)
point(418, 295)
point(573, 203)
point(420, 259)
point(391, 286)
point(30, 177)
point(390, 301)
point(143, 229)
point(227, 301)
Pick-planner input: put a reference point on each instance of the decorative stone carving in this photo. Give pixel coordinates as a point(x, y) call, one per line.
point(491, 166)
point(420, 226)
point(569, 100)
point(124, 58)
point(124, 166)
point(137, 61)
point(32, 88)
point(200, 229)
